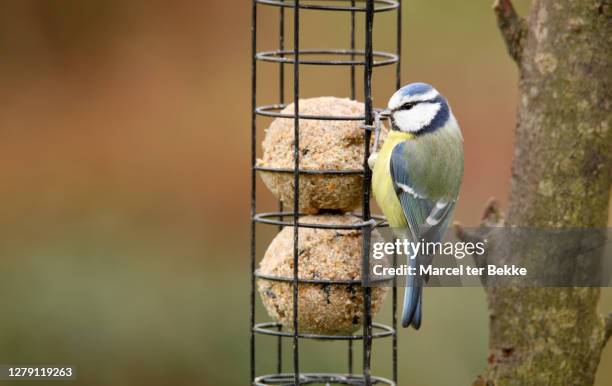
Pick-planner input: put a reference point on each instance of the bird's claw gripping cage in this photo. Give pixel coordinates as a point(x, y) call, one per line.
point(352, 57)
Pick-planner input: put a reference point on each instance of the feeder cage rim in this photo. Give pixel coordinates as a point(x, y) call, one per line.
point(309, 171)
point(286, 56)
point(379, 5)
point(268, 111)
point(376, 221)
point(272, 328)
point(384, 279)
point(287, 379)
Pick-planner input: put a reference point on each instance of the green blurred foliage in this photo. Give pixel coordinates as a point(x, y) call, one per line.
point(124, 169)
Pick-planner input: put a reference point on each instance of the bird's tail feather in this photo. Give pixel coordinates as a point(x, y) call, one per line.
point(412, 313)
point(418, 313)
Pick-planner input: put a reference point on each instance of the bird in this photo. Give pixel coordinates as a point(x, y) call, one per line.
point(416, 177)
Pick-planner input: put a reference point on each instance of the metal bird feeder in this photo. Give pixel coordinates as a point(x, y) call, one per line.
point(295, 58)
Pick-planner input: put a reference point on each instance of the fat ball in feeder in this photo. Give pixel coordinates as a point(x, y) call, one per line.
point(324, 145)
point(324, 254)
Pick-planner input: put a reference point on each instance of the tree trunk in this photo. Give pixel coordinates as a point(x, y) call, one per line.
point(561, 176)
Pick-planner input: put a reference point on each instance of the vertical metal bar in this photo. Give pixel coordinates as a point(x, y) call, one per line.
point(398, 68)
point(353, 96)
point(281, 47)
point(350, 357)
point(281, 100)
point(398, 84)
point(394, 323)
point(369, 119)
point(369, 116)
point(253, 179)
point(296, 184)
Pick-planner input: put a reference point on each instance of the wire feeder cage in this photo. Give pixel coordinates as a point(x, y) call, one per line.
point(297, 57)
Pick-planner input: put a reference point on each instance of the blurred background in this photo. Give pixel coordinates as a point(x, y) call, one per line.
point(124, 183)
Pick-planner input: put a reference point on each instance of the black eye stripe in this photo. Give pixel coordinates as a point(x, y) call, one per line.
point(409, 105)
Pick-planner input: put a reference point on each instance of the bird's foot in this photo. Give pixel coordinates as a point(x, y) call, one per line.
point(372, 160)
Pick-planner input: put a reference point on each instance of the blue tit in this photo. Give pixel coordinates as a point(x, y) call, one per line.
point(417, 175)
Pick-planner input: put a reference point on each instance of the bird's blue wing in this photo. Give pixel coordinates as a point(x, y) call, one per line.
point(427, 217)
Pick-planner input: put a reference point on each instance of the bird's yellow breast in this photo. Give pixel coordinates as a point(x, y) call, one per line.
point(382, 185)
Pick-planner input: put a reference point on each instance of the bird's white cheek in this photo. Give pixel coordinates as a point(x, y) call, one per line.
point(417, 117)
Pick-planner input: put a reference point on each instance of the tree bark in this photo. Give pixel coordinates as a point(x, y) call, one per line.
point(561, 176)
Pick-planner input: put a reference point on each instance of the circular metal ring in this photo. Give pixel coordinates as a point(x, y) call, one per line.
point(286, 56)
point(379, 5)
point(376, 280)
point(271, 111)
point(272, 328)
point(307, 171)
point(287, 379)
point(268, 218)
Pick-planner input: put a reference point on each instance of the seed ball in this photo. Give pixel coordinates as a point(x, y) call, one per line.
point(324, 145)
point(330, 309)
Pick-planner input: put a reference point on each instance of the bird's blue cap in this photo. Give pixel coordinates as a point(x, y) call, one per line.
point(413, 89)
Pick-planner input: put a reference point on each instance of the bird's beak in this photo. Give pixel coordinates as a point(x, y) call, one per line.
point(386, 113)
